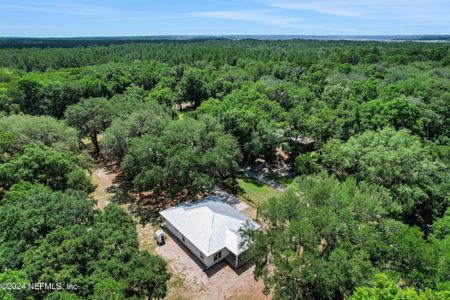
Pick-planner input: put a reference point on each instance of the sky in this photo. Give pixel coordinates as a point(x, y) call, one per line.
point(82, 18)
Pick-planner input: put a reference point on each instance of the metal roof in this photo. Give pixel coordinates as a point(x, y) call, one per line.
point(210, 224)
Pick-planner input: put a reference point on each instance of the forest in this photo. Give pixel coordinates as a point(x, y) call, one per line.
point(360, 129)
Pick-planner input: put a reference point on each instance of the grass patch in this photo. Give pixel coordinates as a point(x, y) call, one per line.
point(255, 192)
point(146, 237)
point(49, 76)
point(286, 181)
point(176, 283)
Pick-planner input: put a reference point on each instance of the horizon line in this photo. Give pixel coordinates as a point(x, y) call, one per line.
point(227, 35)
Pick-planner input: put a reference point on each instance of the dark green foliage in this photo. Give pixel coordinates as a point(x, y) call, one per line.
point(29, 96)
point(319, 237)
point(441, 227)
point(398, 113)
point(376, 115)
point(137, 273)
point(21, 190)
point(408, 255)
point(398, 161)
point(306, 164)
point(6, 141)
point(324, 238)
point(90, 117)
point(18, 289)
point(252, 119)
point(77, 180)
point(191, 155)
point(54, 237)
point(39, 210)
point(148, 275)
point(384, 287)
point(57, 53)
point(191, 88)
point(97, 258)
point(44, 165)
point(43, 130)
point(150, 119)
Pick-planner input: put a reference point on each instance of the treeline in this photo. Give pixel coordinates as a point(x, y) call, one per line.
point(75, 42)
point(363, 125)
point(56, 54)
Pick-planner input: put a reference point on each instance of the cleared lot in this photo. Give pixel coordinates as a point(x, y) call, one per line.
point(188, 281)
point(221, 281)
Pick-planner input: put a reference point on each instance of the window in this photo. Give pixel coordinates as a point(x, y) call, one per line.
point(201, 256)
point(182, 237)
point(218, 255)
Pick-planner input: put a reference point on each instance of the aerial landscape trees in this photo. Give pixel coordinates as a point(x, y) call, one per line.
point(326, 237)
point(189, 154)
point(359, 131)
point(398, 161)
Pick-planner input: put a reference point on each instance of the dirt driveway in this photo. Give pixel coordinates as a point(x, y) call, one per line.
point(188, 281)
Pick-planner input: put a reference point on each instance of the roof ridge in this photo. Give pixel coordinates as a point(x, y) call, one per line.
point(212, 223)
point(204, 224)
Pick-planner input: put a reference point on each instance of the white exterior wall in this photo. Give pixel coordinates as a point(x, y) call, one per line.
point(208, 261)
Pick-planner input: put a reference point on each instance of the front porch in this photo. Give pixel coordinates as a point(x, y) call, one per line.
point(236, 260)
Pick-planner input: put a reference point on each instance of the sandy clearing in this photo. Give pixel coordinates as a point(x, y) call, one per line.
point(102, 179)
point(219, 282)
point(188, 281)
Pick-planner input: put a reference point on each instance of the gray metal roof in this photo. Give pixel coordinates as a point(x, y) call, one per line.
point(210, 224)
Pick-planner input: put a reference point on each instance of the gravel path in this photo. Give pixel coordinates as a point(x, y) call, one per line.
point(258, 175)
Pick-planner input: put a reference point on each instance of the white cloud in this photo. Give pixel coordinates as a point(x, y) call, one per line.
point(261, 16)
point(339, 8)
point(371, 9)
point(268, 17)
point(62, 7)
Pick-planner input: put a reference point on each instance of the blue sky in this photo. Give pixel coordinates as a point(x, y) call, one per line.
point(70, 18)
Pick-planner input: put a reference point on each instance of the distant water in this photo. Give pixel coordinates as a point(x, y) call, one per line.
point(12, 42)
point(390, 38)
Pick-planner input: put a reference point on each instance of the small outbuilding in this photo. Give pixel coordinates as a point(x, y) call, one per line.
point(209, 228)
point(160, 237)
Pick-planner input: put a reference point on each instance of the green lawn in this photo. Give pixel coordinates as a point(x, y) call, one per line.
point(287, 181)
point(254, 192)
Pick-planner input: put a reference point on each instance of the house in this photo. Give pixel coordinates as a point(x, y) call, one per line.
point(209, 228)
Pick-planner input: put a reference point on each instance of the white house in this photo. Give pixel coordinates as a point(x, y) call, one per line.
point(209, 228)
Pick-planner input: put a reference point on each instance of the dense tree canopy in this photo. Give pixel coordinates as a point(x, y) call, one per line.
point(49, 230)
point(191, 88)
point(150, 119)
point(90, 117)
point(398, 161)
point(191, 155)
point(45, 130)
point(252, 119)
point(324, 238)
point(383, 287)
point(363, 125)
point(45, 165)
point(56, 237)
point(317, 235)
